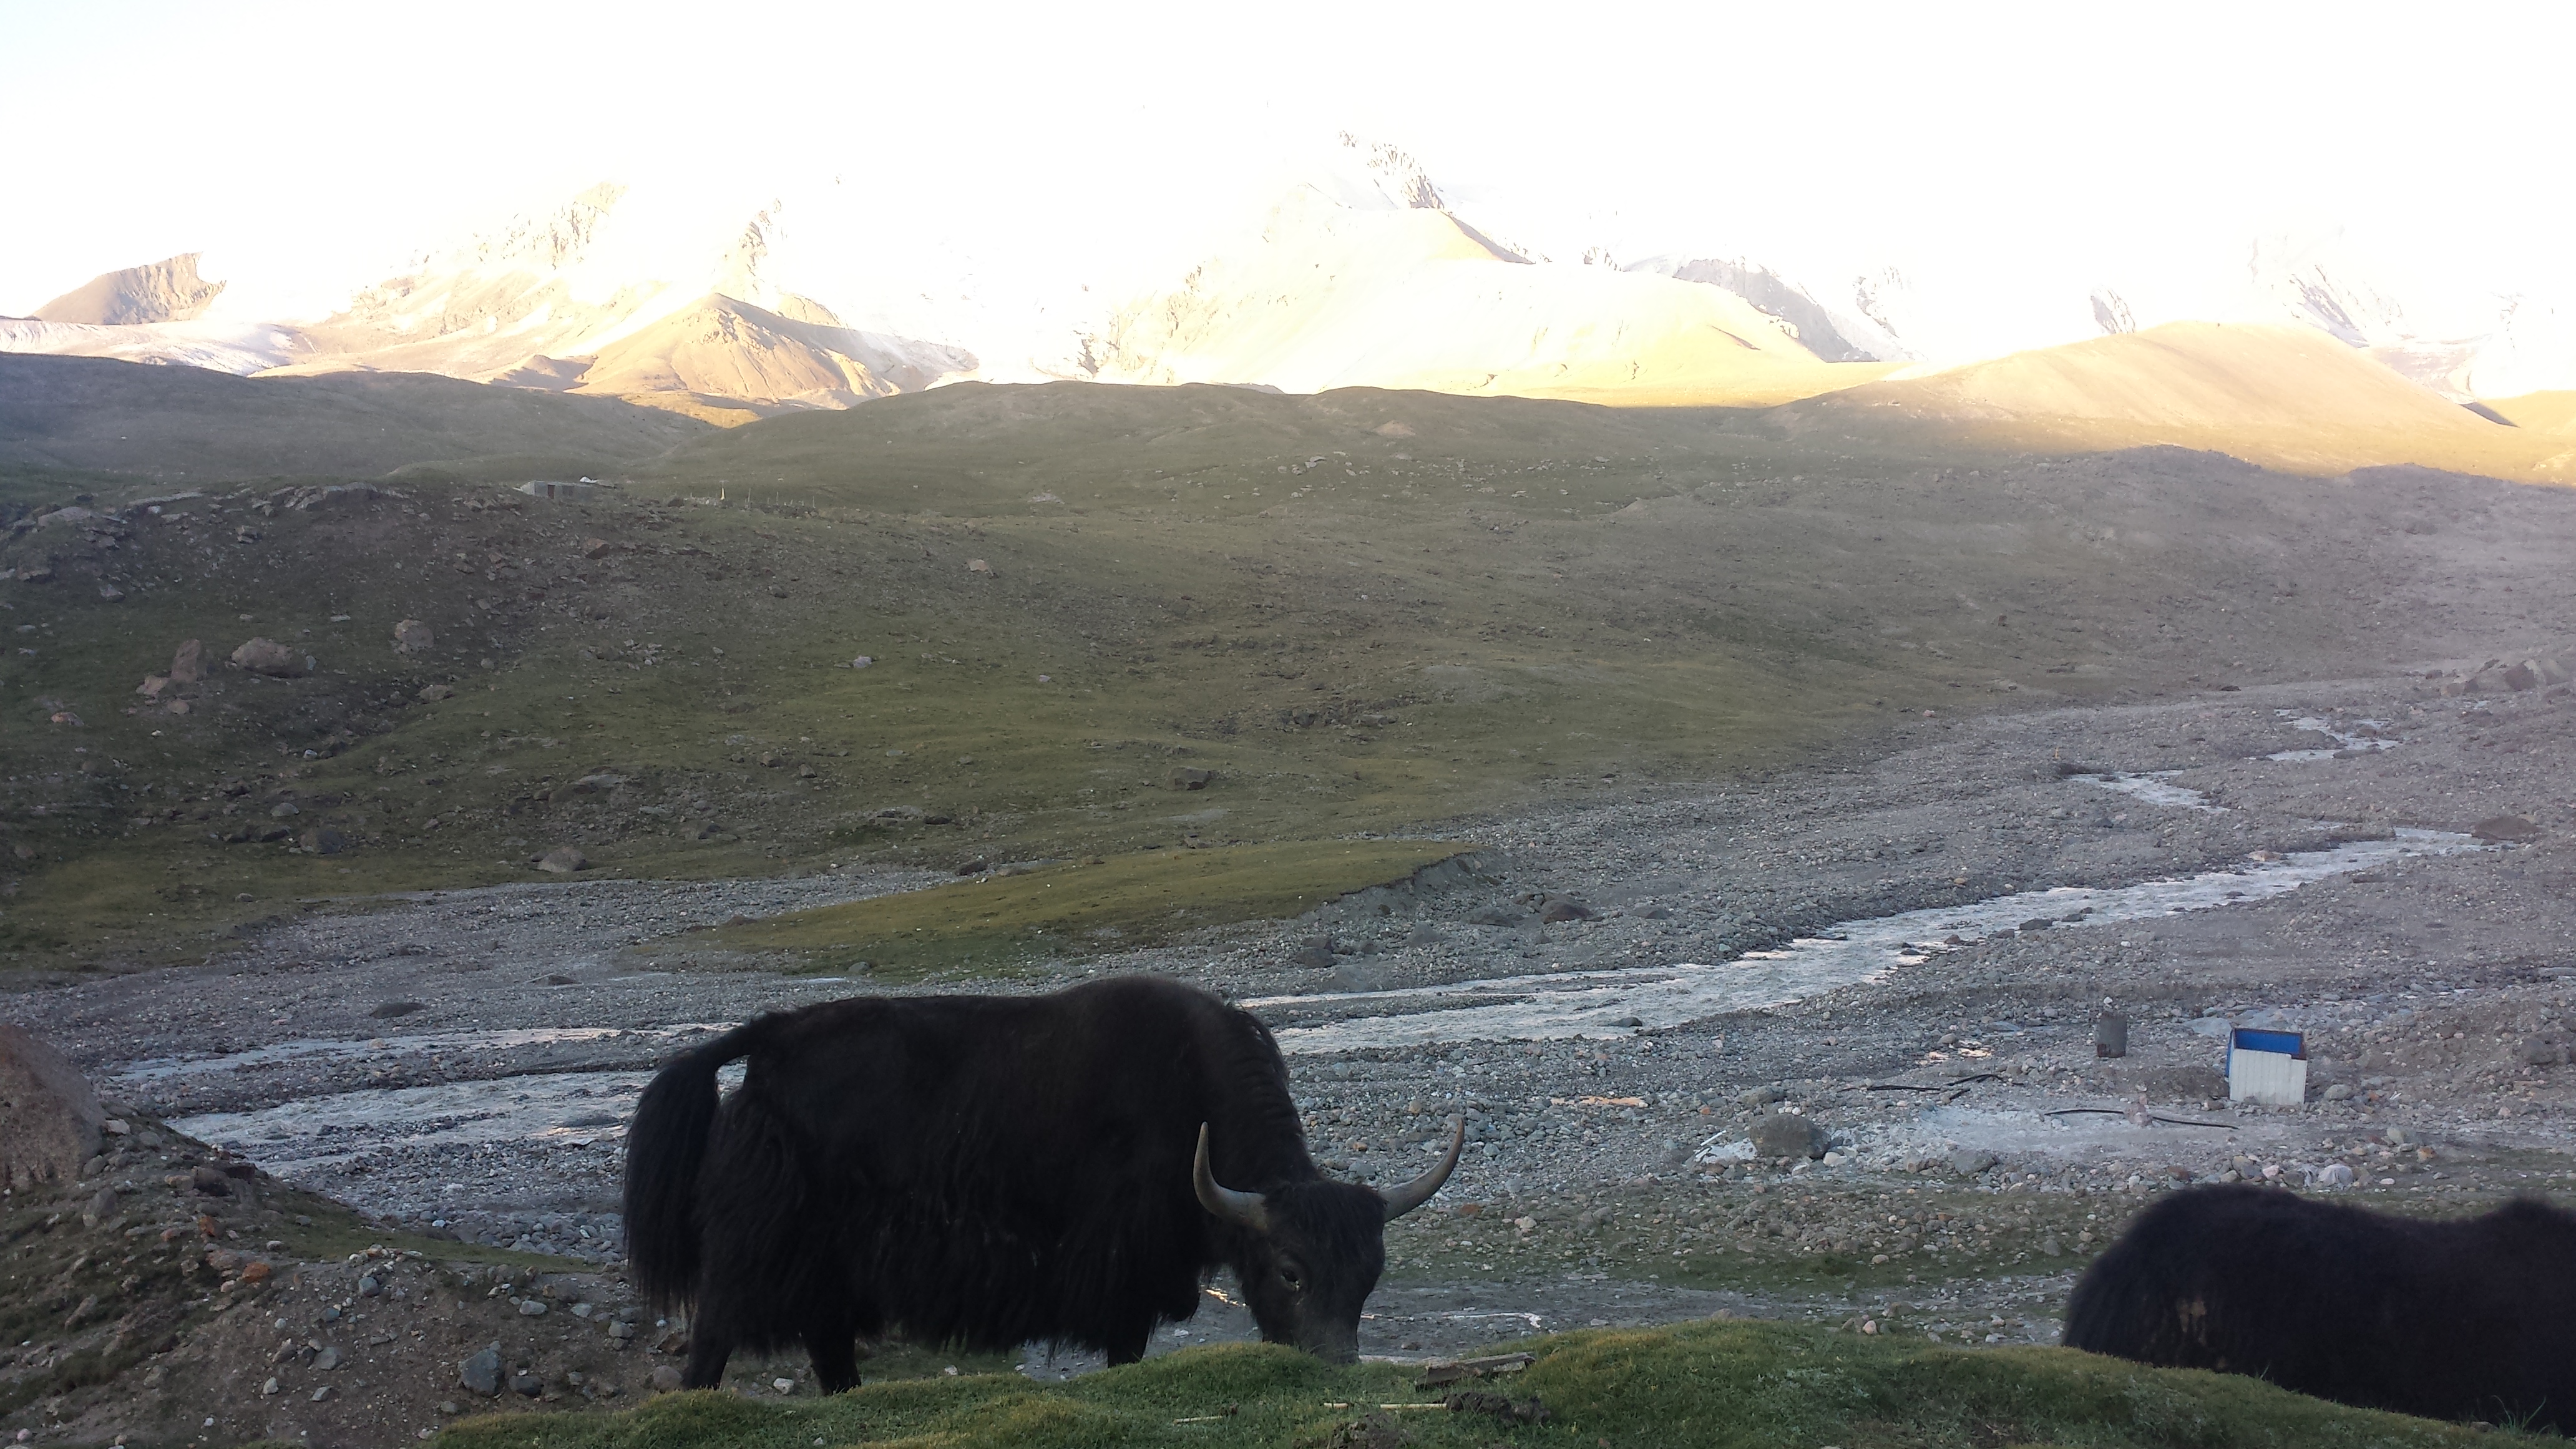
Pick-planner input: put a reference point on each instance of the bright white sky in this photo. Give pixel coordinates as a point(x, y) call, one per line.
point(309, 149)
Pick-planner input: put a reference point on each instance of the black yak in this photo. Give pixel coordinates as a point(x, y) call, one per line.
point(2466, 1318)
point(993, 1170)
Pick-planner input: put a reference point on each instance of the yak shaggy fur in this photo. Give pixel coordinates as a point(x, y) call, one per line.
point(2472, 1318)
point(985, 1171)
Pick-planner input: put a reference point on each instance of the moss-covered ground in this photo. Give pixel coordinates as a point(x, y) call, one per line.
point(1717, 1383)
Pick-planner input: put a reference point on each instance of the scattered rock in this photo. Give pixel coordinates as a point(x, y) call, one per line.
point(387, 1011)
point(527, 1383)
point(411, 636)
point(2339, 1092)
point(53, 1120)
point(2506, 829)
point(1786, 1134)
point(327, 1360)
point(433, 693)
point(532, 1308)
point(2335, 1174)
point(664, 1379)
point(1190, 777)
point(188, 664)
point(1496, 916)
point(1564, 908)
point(1762, 1096)
point(563, 860)
point(1971, 1164)
point(323, 840)
point(2541, 1051)
point(267, 656)
point(111, 594)
point(978, 566)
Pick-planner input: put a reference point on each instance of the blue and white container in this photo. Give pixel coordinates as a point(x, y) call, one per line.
point(2267, 1067)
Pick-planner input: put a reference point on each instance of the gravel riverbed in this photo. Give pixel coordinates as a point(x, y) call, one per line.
point(1903, 949)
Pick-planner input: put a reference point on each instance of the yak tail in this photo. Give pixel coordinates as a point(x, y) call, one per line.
point(663, 1149)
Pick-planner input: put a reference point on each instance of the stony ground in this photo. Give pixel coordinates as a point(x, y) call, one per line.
point(459, 1064)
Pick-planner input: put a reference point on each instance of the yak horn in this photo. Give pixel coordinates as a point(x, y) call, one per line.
point(1417, 1192)
point(1244, 1208)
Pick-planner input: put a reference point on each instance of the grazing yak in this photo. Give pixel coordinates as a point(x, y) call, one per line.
point(992, 1170)
point(2450, 1320)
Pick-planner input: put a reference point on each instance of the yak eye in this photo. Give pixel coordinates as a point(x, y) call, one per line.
point(1290, 1275)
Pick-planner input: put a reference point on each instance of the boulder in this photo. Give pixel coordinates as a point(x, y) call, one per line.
point(481, 1371)
point(267, 656)
point(188, 665)
point(1786, 1134)
point(411, 636)
point(51, 1120)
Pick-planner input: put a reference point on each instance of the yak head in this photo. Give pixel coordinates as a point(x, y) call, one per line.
point(1317, 1248)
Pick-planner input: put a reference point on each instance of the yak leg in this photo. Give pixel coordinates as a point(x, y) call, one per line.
point(1128, 1346)
point(831, 1340)
point(707, 1355)
point(711, 1340)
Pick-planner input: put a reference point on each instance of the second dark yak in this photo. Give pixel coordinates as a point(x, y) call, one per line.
point(989, 1171)
point(2470, 1318)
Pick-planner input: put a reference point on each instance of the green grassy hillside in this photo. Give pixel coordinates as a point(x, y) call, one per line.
point(1717, 1384)
point(1360, 612)
point(190, 426)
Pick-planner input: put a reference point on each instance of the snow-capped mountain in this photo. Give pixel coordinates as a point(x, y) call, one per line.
point(1354, 267)
point(1846, 331)
point(1361, 276)
point(595, 298)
